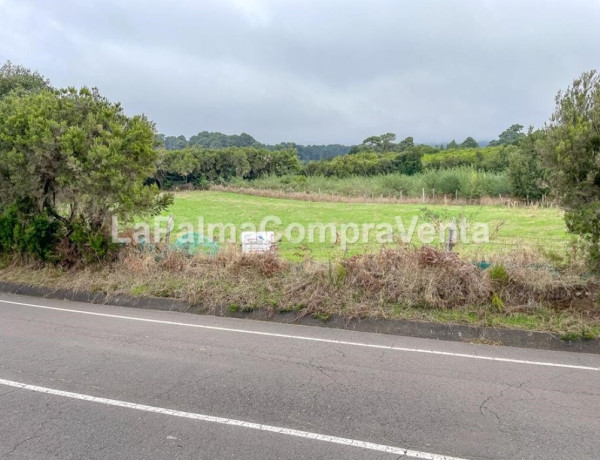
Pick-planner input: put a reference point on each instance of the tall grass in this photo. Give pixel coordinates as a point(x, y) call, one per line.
point(405, 282)
point(462, 182)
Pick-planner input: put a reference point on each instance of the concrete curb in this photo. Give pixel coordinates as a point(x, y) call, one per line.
point(423, 329)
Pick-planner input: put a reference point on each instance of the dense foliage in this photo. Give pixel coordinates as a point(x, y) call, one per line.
point(571, 152)
point(510, 136)
point(485, 158)
point(16, 78)
point(368, 164)
point(195, 166)
point(461, 182)
point(514, 152)
point(525, 169)
point(69, 161)
point(216, 140)
point(216, 159)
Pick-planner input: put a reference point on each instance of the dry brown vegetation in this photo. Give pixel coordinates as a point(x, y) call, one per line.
point(450, 200)
point(425, 283)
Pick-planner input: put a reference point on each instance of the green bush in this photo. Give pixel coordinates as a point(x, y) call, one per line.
point(201, 166)
point(26, 233)
point(570, 150)
point(468, 182)
point(88, 244)
point(70, 160)
point(448, 182)
point(497, 303)
point(499, 274)
point(492, 159)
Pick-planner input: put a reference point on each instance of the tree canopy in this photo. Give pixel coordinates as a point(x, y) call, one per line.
point(382, 144)
point(525, 169)
point(18, 78)
point(510, 136)
point(73, 159)
point(469, 143)
point(198, 166)
point(571, 152)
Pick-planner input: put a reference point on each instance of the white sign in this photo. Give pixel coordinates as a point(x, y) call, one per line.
point(257, 242)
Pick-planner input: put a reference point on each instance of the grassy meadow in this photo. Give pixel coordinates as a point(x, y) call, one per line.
point(317, 279)
point(521, 227)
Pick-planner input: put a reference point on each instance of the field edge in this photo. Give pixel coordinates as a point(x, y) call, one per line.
point(500, 336)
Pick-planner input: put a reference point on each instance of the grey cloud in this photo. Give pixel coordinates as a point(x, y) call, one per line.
point(313, 71)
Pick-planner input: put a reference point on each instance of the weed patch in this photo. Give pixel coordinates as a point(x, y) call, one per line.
point(413, 283)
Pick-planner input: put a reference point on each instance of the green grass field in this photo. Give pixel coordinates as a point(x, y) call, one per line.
point(522, 227)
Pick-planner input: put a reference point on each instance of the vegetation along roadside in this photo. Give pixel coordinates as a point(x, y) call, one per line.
point(71, 162)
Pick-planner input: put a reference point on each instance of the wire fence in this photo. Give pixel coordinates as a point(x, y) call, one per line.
point(555, 247)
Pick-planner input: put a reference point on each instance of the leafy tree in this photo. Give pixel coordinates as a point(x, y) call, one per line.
point(526, 173)
point(571, 152)
point(383, 143)
point(469, 143)
point(18, 78)
point(372, 143)
point(510, 136)
point(216, 140)
point(452, 145)
point(487, 158)
point(159, 141)
point(405, 144)
point(409, 162)
point(199, 166)
point(387, 141)
point(74, 159)
point(175, 143)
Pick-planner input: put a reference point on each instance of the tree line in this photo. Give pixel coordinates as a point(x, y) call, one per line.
point(217, 140)
point(217, 158)
point(198, 166)
point(513, 152)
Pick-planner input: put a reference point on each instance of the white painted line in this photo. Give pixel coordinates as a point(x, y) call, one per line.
point(231, 422)
point(314, 339)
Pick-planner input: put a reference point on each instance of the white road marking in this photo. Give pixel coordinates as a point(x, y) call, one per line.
point(313, 339)
point(231, 422)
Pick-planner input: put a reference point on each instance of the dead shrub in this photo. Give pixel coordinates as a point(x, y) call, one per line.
point(267, 264)
point(137, 262)
point(174, 261)
point(425, 277)
point(431, 257)
point(363, 286)
point(530, 284)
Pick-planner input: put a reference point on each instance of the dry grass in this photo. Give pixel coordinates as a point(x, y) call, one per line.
point(450, 200)
point(405, 282)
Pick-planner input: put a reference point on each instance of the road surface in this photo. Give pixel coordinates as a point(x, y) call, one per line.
point(90, 381)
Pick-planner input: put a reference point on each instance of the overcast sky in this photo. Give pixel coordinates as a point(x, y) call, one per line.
point(313, 71)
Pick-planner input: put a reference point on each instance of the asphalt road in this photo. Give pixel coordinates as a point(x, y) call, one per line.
point(128, 383)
